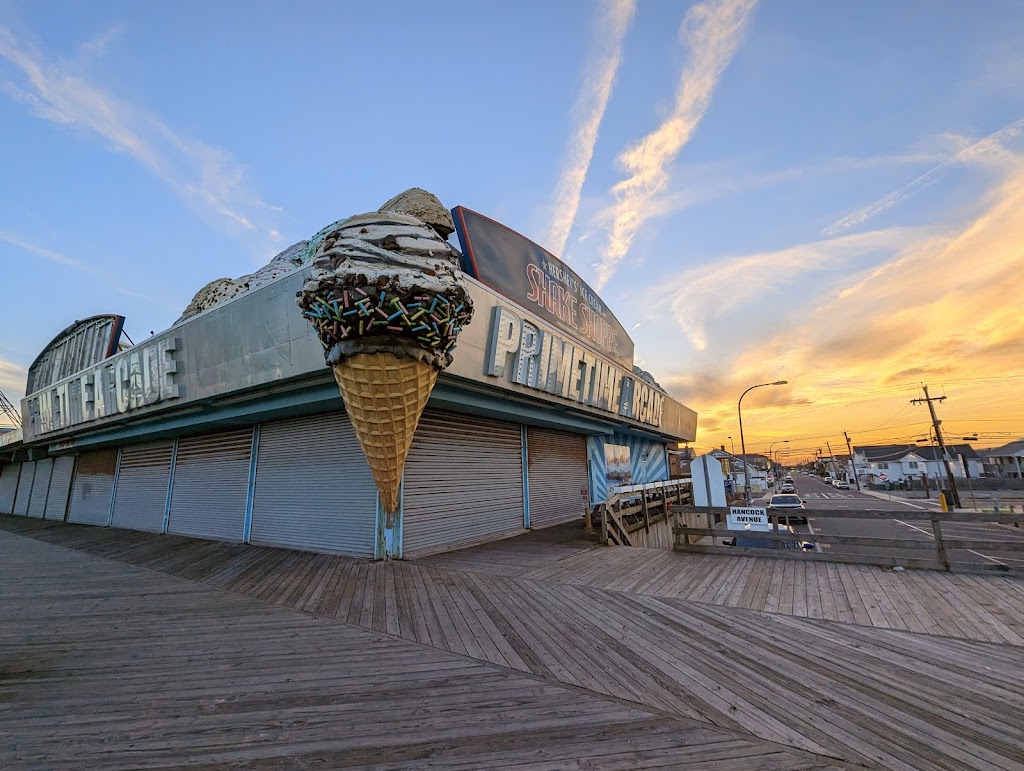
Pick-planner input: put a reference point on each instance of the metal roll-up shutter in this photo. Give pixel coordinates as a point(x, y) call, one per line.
point(211, 484)
point(28, 476)
point(40, 488)
point(9, 486)
point(93, 486)
point(557, 472)
point(314, 489)
point(141, 495)
point(463, 483)
point(60, 487)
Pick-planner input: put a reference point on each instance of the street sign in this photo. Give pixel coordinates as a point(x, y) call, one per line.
point(753, 518)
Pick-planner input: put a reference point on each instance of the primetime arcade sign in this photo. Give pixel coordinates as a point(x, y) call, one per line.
point(546, 362)
point(136, 378)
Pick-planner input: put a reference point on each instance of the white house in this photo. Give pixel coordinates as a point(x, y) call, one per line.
point(1005, 462)
point(897, 463)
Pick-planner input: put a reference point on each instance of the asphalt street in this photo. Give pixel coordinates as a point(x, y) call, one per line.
point(819, 496)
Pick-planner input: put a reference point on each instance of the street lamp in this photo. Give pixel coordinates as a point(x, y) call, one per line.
point(770, 450)
point(779, 452)
point(733, 445)
point(743, 444)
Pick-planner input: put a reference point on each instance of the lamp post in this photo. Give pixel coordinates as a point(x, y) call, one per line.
point(743, 443)
point(779, 452)
point(785, 441)
point(733, 441)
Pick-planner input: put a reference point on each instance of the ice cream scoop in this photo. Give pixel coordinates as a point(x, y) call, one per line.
point(387, 300)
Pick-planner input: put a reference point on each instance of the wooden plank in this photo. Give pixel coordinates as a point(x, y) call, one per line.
point(914, 514)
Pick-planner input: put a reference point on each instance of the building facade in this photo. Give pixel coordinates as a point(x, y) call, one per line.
point(229, 426)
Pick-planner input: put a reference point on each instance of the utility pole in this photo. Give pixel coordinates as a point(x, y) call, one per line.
point(831, 457)
point(853, 463)
point(938, 435)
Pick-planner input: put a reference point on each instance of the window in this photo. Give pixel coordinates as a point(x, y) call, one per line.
point(912, 464)
point(883, 465)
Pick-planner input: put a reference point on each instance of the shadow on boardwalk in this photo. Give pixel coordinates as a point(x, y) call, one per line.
point(560, 651)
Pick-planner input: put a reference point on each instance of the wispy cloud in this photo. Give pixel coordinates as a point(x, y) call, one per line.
point(12, 382)
point(940, 308)
point(40, 251)
point(712, 32)
point(97, 45)
point(206, 177)
point(587, 114)
point(699, 294)
point(152, 298)
point(705, 183)
point(993, 143)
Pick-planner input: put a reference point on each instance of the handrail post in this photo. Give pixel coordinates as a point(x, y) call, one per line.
point(940, 547)
point(647, 515)
point(604, 524)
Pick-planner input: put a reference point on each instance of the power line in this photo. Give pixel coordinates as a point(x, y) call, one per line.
point(8, 410)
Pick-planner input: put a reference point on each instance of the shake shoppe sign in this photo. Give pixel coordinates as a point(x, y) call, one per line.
point(536, 280)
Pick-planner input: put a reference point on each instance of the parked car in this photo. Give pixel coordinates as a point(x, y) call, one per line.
point(841, 484)
point(786, 503)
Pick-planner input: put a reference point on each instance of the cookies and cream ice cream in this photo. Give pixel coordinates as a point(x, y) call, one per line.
point(387, 300)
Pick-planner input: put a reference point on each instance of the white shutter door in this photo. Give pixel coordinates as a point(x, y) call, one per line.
point(557, 472)
point(463, 483)
point(40, 487)
point(141, 495)
point(211, 483)
point(314, 489)
point(93, 486)
point(60, 487)
point(28, 476)
point(9, 486)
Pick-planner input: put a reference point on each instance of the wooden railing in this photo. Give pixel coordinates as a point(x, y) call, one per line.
point(635, 508)
point(702, 530)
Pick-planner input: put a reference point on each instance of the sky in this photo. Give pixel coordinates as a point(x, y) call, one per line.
point(826, 193)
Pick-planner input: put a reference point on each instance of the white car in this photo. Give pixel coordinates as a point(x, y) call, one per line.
point(785, 503)
point(841, 484)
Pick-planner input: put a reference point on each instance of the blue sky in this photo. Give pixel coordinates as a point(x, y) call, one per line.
point(822, 192)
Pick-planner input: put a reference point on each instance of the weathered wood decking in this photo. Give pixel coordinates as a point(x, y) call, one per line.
point(446, 663)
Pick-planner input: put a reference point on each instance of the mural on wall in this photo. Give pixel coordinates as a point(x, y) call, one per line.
point(618, 471)
point(647, 459)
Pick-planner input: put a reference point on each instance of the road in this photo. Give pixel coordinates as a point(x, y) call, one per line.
point(817, 495)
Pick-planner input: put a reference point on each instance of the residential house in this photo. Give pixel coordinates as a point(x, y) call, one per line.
point(1004, 462)
point(896, 463)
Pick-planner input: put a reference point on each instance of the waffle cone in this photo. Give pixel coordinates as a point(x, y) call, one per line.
point(385, 396)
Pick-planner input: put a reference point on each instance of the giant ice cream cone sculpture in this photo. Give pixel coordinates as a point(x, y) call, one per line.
point(388, 303)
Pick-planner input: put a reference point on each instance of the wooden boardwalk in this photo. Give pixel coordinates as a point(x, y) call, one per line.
point(633, 674)
point(973, 607)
